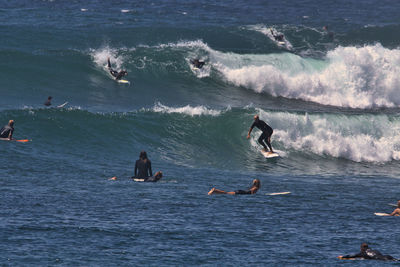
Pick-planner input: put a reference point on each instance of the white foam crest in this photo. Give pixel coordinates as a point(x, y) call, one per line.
point(101, 55)
point(188, 110)
point(186, 44)
point(360, 138)
point(357, 77)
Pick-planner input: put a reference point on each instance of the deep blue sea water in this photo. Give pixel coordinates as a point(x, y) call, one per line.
point(332, 98)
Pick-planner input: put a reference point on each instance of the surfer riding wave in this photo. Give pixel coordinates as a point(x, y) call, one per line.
point(116, 74)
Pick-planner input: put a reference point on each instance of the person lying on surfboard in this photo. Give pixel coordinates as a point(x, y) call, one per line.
point(278, 37)
point(396, 212)
point(252, 190)
point(266, 132)
point(197, 63)
point(117, 75)
point(7, 131)
point(48, 101)
point(367, 254)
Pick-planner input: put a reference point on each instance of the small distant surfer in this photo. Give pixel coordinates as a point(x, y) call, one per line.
point(330, 34)
point(367, 254)
point(143, 169)
point(266, 132)
point(116, 74)
point(197, 63)
point(7, 131)
point(48, 101)
point(252, 190)
point(278, 37)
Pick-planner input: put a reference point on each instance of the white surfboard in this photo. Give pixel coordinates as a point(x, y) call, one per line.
point(138, 180)
point(62, 105)
point(381, 214)
point(123, 81)
point(279, 193)
point(268, 154)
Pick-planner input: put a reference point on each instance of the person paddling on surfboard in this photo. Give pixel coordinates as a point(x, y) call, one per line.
point(7, 131)
point(252, 190)
point(278, 37)
point(197, 63)
point(117, 75)
point(396, 212)
point(367, 254)
point(266, 133)
point(48, 101)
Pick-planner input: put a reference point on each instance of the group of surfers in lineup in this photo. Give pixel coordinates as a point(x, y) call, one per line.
point(143, 169)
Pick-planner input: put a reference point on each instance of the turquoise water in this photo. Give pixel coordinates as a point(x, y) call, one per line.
point(331, 99)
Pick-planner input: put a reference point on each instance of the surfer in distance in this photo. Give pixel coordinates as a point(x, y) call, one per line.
point(48, 101)
point(266, 132)
point(278, 37)
point(7, 131)
point(252, 190)
point(143, 166)
point(197, 63)
point(116, 74)
point(367, 254)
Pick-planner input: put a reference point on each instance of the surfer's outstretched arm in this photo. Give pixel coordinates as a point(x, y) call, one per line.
point(108, 63)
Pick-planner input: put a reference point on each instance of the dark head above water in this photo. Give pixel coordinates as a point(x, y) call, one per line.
point(143, 155)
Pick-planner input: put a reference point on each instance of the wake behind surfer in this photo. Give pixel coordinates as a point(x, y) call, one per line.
point(197, 63)
point(116, 74)
point(252, 190)
point(367, 254)
point(266, 132)
point(7, 131)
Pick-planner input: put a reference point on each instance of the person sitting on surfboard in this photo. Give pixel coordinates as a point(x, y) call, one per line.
point(117, 75)
point(367, 254)
point(278, 37)
point(252, 190)
point(266, 132)
point(48, 101)
point(197, 63)
point(143, 166)
point(7, 131)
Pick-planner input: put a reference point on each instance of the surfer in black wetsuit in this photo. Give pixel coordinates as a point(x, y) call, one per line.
point(117, 75)
point(368, 254)
point(7, 131)
point(197, 63)
point(252, 190)
point(278, 37)
point(266, 132)
point(143, 166)
point(154, 178)
point(48, 101)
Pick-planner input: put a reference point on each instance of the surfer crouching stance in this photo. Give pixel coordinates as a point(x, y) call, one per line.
point(197, 63)
point(266, 132)
point(252, 190)
point(367, 254)
point(117, 75)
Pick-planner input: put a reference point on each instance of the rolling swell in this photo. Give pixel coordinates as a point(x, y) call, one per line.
point(199, 136)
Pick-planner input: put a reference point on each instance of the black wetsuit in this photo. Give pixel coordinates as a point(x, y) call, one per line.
point(47, 103)
point(5, 131)
point(143, 169)
point(197, 63)
point(370, 254)
point(152, 179)
point(114, 73)
point(266, 132)
point(242, 192)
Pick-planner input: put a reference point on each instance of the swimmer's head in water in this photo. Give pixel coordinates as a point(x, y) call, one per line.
point(11, 122)
point(158, 175)
point(257, 183)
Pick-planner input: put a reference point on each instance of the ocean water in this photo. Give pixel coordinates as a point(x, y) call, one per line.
point(332, 99)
